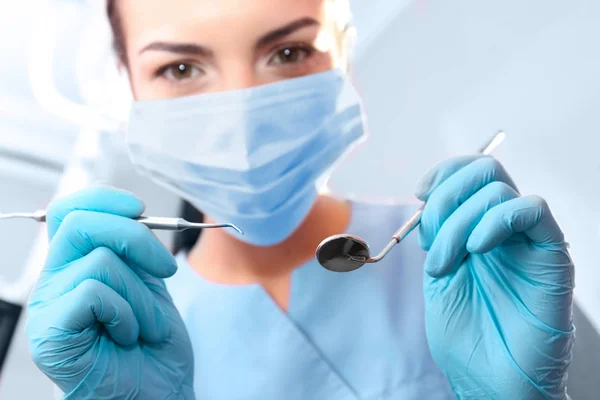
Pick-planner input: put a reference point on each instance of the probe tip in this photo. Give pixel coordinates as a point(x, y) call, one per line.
point(238, 230)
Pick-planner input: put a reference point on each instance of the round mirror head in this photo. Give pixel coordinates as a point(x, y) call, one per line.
point(335, 253)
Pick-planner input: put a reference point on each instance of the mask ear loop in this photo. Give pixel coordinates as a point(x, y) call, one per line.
point(346, 38)
point(347, 45)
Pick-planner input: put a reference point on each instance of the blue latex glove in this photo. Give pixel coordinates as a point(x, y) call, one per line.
point(498, 284)
point(100, 322)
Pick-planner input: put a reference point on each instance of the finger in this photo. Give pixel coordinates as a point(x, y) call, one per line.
point(449, 247)
point(530, 215)
point(439, 173)
point(83, 231)
point(157, 287)
point(93, 302)
point(106, 267)
point(100, 199)
point(454, 191)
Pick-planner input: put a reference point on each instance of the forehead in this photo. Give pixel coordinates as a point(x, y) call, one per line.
point(146, 20)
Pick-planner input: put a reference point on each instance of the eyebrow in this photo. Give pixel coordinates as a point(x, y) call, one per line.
point(180, 48)
point(286, 30)
point(202, 51)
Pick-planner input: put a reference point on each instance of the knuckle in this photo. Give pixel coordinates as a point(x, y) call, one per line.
point(424, 240)
point(62, 206)
point(54, 209)
point(73, 220)
point(102, 256)
point(439, 201)
point(101, 264)
point(500, 189)
point(491, 164)
point(436, 259)
point(539, 201)
point(90, 286)
point(430, 222)
point(107, 268)
point(508, 219)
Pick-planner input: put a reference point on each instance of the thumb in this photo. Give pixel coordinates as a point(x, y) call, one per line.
point(102, 199)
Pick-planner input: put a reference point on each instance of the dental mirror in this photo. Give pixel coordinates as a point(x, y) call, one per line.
point(346, 252)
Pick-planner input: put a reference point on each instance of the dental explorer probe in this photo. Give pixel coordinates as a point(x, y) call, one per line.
point(346, 252)
point(158, 223)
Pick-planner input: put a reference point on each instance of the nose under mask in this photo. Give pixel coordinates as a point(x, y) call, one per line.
point(253, 156)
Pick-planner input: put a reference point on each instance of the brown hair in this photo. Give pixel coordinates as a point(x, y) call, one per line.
point(115, 23)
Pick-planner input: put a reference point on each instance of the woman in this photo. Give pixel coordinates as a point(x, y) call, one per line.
point(240, 108)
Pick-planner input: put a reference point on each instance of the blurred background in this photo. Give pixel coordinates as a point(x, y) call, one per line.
point(438, 77)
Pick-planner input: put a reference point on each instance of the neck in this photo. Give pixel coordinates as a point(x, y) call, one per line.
point(220, 257)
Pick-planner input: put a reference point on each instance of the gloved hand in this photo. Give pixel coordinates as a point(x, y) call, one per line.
point(100, 322)
point(498, 284)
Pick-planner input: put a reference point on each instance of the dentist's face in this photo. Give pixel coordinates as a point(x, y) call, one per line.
point(178, 48)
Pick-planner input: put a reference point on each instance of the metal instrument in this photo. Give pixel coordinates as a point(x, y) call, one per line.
point(346, 252)
point(157, 223)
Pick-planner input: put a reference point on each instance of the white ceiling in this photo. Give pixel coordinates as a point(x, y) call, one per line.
point(25, 127)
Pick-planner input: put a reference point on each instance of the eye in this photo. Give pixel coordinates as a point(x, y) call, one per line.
point(180, 72)
point(290, 55)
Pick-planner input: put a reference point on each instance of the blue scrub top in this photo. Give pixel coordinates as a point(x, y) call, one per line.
point(354, 336)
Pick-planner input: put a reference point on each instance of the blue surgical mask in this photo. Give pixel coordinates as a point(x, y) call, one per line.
point(251, 157)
